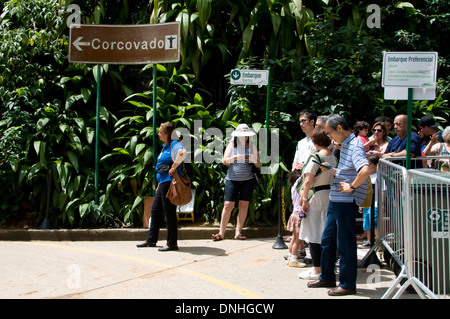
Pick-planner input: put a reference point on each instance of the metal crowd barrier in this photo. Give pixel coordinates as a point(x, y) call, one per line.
point(413, 216)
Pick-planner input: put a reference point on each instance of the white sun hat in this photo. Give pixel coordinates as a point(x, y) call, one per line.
point(243, 130)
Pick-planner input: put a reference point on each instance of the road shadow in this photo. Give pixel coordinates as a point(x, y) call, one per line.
point(203, 251)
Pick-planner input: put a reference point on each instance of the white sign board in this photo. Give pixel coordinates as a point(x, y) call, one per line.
point(250, 77)
point(395, 93)
point(410, 69)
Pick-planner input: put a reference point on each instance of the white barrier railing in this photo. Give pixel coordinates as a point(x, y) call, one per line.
point(414, 210)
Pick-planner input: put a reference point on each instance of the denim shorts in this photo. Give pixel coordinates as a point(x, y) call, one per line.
point(244, 188)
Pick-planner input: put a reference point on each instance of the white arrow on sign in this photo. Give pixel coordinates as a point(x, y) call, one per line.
point(77, 43)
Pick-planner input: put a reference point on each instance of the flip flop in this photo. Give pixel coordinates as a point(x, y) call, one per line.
point(240, 236)
point(216, 237)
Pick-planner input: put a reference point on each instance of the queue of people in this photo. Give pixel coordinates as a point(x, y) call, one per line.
point(332, 167)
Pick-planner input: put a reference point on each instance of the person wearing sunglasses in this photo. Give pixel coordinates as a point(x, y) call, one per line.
point(305, 146)
point(380, 141)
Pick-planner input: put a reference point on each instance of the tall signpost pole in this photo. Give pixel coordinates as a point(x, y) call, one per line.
point(409, 129)
point(268, 112)
point(97, 133)
point(155, 88)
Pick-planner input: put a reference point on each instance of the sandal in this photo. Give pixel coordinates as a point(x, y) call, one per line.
point(240, 236)
point(216, 237)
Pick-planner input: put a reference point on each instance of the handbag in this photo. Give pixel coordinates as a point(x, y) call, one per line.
point(179, 192)
point(367, 203)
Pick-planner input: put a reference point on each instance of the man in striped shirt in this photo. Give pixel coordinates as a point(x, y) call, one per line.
point(348, 191)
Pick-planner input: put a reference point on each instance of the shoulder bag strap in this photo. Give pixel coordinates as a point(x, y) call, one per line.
point(173, 159)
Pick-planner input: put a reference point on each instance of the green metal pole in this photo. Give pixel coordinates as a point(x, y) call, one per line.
point(154, 20)
point(268, 112)
point(409, 128)
point(97, 132)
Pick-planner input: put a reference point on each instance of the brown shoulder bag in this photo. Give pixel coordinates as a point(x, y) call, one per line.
point(179, 192)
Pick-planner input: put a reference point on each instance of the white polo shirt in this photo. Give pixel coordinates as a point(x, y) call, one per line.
point(305, 147)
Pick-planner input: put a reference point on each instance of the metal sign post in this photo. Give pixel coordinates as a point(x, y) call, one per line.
point(123, 44)
point(260, 78)
point(97, 131)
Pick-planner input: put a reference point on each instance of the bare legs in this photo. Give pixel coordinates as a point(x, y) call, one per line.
point(226, 214)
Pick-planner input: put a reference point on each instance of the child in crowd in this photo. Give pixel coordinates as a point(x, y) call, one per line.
point(294, 220)
point(373, 162)
point(361, 131)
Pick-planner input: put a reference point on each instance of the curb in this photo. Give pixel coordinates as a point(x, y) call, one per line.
point(125, 234)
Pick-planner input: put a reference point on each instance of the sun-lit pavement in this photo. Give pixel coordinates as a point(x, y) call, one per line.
point(200, 269)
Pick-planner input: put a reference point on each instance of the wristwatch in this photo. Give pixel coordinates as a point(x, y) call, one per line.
point(351, 186)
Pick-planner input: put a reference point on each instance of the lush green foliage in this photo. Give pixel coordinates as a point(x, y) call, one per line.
point(321, 54)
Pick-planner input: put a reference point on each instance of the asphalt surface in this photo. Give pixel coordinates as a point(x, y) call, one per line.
point(201, 269)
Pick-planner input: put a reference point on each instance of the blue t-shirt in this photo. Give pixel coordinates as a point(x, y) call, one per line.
point(397, 145)
point(166, 158)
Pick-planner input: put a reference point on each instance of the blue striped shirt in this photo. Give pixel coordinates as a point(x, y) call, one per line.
point(352, 159)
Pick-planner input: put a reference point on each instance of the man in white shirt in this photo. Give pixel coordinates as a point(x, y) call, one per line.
point(305, 146)
point(304, 149)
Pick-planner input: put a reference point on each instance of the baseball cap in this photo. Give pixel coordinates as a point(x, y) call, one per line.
point(428, 121)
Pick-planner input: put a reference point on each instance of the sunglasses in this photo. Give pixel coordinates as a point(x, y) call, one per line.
point(303, 120)
point(378, 130)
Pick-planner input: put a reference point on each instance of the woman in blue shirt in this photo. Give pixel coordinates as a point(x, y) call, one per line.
point(165, 168)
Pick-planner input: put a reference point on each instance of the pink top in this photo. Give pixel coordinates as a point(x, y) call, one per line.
point(364, 140)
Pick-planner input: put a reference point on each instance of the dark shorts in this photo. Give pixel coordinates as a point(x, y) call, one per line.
point(242, 188)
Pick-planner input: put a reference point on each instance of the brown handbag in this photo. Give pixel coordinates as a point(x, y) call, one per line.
point(179, 192)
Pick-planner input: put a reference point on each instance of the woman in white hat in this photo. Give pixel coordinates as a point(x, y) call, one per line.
point(240, 155)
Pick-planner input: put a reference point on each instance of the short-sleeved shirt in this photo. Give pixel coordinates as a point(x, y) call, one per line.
point(166, 158)
point(397, 145)
point(352, 159)
point(295, 196)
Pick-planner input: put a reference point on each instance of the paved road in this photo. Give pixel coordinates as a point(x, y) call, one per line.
point(201, 269)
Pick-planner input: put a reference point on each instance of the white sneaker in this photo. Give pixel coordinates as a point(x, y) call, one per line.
point(308, 275)
point(296, 264)
point(365, 245)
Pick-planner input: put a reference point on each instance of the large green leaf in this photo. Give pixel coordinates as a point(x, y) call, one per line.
point(204, 12)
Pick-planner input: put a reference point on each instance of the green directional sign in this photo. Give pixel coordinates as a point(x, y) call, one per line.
point(249, 77)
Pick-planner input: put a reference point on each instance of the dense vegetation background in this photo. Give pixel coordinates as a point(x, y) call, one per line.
point(321, 53)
